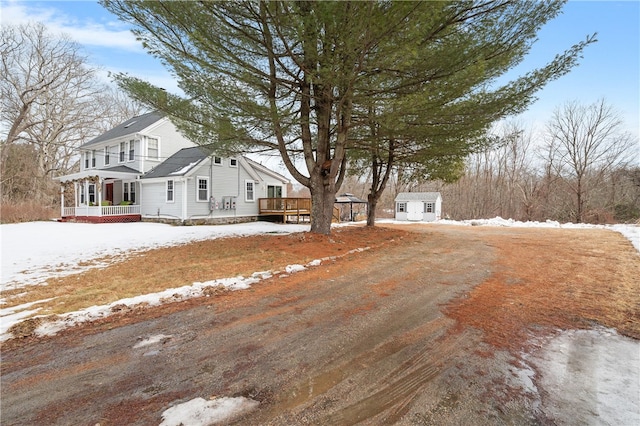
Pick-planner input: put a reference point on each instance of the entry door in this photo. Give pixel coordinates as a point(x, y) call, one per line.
point(274, 191)
point(109, 192)
point(414, 211)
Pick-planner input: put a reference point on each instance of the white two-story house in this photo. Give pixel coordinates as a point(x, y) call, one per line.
point(145, 168)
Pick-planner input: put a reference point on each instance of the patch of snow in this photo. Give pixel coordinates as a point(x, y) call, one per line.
point(33, 252)
point(591, 377)
point(151, 340)
point(290, 269)
point(184, 169)
point(50, 328)
point(200, 412)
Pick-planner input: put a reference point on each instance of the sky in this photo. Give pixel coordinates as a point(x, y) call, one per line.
point(610, 68)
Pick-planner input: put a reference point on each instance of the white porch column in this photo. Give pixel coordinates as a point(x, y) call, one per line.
point(99, 190)
point(61, 199)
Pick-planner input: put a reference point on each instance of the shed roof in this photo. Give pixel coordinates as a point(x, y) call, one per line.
point(418, 196)
point(129, 127)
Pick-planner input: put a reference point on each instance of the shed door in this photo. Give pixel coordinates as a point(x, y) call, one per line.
point(414, 210)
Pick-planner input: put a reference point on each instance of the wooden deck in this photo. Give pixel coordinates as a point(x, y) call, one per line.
point(288, 209)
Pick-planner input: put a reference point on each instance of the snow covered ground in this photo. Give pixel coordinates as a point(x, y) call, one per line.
point(33, 252)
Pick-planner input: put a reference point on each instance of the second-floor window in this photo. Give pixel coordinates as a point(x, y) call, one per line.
point(90, 159)
point(122, 148)
point(131, 150)
point(107, 160)
point(152, 149)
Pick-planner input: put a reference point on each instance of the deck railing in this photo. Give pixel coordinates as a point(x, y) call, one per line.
point(101, 210)
point(284, 206)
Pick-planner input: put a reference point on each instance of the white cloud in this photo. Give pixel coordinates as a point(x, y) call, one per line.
point(109, 34)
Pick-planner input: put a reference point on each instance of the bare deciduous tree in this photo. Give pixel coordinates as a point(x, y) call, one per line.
point(585, 143)
point(52, 101)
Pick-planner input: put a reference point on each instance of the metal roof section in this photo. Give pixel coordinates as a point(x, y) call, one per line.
point(417, 196)
point(130, 127)
point(180, 163)
point(349, 198)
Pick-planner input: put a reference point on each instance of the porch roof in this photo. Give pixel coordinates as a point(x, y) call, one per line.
point(119, 172)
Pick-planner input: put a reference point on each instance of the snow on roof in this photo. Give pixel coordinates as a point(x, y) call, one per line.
point(417, 196)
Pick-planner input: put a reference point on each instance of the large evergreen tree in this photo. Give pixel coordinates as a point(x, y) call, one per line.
point(302, 77)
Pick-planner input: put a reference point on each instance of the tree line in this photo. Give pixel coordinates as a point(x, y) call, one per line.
point(583, 167)
point(52, 101)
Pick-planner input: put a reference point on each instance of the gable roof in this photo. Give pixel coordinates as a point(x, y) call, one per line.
point(180, 163)
point(129, 127)
point(417, 196)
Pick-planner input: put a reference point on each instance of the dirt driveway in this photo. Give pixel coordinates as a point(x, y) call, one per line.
point(429, 328)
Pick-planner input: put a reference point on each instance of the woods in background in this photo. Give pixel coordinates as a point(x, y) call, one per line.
point(582, 168)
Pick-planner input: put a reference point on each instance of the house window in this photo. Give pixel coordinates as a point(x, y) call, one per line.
point(92, 194)
point(249, 190)
point(169, 191)
point(86, 159)
point(106, 156)
point(122, 148)
point(131, 149)
point(401, 207)
point(125, 191)
point(217, 161)
point(428, 208)
point(93, 159)
point(202, 189)
point(152, 148)
point(132, 192)
point(233, 162)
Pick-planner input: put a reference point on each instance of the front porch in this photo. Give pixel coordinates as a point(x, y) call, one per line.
point(102, 214)
point(100, 196)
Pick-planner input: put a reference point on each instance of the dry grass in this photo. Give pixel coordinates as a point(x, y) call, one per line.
point(26, 211)
point(555, 279)
point(171, 267)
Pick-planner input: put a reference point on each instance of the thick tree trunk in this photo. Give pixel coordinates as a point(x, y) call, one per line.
point(322, 203)
point(371, 211)
point(323, 199)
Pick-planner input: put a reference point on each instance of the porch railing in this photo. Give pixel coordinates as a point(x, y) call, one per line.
point(284, 205)
point(101, 210)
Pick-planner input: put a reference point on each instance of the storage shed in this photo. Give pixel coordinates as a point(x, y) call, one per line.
point(418, 206)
